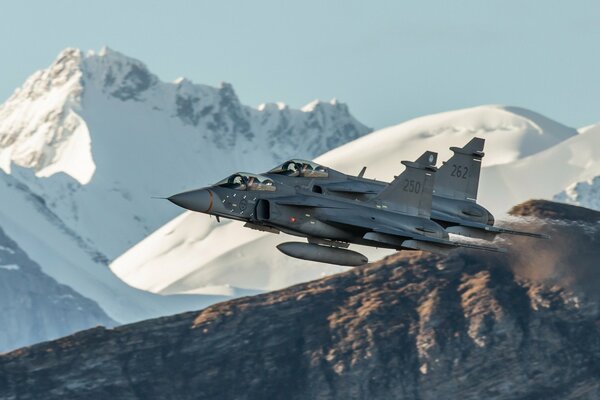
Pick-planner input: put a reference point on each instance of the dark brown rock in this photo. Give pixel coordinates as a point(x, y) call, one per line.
point(413, 326)
point(552, 210)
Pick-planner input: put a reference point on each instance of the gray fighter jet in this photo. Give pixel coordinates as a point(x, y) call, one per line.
point(454, 204)
point(398, 217)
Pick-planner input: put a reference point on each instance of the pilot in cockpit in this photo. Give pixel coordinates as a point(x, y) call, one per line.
point(237, 181)
point(291, 169)
point(245, 181)
point(305, 169)
point(301, 168)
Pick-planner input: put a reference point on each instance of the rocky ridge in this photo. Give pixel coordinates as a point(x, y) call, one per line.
point(412, 326)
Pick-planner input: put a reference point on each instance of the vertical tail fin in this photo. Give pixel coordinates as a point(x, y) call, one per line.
point(411, 191)
point(458, 178)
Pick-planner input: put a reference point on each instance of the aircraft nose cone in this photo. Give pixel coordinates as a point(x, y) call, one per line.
point(200, 200)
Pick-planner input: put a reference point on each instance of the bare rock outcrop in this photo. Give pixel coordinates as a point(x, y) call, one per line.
point(412, 326)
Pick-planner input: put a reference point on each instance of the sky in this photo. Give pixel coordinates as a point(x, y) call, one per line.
point(390, 61)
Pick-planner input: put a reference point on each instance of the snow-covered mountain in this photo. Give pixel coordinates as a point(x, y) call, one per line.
point(85, 143)
point(584, 193)
point(513, 136)
point(544, 174)
point(123, 136)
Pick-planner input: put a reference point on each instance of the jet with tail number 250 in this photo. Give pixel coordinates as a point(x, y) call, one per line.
point(454, 201)
point(396, 215)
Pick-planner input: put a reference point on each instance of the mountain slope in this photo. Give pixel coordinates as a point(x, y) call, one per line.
point(584, 192)
point(34, 306)
point(544, 174)
point(85, 143)
point(412, 326)
point(511, 134)
point(67, 257)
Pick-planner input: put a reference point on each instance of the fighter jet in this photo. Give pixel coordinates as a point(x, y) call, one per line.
point(398, 217)
point(454, 204)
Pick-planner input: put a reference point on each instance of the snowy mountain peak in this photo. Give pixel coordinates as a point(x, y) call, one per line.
point(544, 125)
point(585, 193)
point(65, 70)
point(318, 105)
point(118, 75)
point(107, 121)
point(121, 76)
point(272, 107)
point(511, 133)
point(103, 51)
point(45, 124)
point(40, 124)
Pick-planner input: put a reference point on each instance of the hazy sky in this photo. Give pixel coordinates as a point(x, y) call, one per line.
point(389, 60)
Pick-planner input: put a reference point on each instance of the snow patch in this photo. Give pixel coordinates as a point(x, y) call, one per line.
point(75, 156)
point(40, 127)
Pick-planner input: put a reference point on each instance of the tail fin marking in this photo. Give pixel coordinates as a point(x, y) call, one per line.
point(411, 191)
point(458, 178)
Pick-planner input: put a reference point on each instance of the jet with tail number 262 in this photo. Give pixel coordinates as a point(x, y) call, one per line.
point(454, 201)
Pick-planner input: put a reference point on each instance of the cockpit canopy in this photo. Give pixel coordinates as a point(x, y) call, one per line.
point(246, 181)
point(303, 168)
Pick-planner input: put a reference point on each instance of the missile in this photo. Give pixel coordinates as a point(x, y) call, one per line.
point(324, 254)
